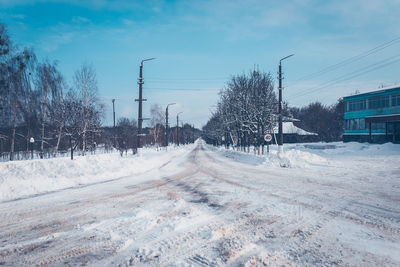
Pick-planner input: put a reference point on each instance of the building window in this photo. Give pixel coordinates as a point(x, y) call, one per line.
point(378, 126)
point(396, 100)
point(378, 102)
point(356, 105)
point(354, 124)
point(362, 124)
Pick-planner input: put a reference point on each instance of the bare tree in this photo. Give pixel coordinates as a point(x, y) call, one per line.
point(245, 111)
point(33, 103)
point(86, 84)
point(58, 111)
point(156, 123)
point(46, 82)
point(17, 68)
point(127, 134)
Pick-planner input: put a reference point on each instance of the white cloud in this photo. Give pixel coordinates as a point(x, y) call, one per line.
point(52, 42)
point(127, 22)
point(18, 16)
point(78, 20)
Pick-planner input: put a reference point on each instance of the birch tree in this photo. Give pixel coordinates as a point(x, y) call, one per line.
point(46, 82)
point(156, 123)
point(86, 86)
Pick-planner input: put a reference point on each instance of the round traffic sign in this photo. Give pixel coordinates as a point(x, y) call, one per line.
point(268, 137)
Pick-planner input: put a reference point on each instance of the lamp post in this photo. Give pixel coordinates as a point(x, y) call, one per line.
point(166, 124)
point(140, 100)
point(31, 141)
point(177, 128)
point(113, 101)
point(280, 107)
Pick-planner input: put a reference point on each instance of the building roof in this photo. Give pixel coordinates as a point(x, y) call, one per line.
point(290, 128)
point(381, 90)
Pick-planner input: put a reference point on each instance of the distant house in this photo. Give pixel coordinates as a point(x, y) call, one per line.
point(294, 134)
point(373, 116)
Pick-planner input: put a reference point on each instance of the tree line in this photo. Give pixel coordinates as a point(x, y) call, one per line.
point(38, 104)
point(248, 108)
point(124, 135)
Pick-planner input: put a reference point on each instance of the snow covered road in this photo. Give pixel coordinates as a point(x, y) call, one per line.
point(207, 207)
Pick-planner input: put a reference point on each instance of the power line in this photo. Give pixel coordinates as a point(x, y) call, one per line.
point(344, 78)
point(351, 73)
point(183, 89)
point(186, 79)
point(350, 60)
point(378, 65)
point(183, 82)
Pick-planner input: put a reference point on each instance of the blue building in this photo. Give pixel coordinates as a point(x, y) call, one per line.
point(373, 117)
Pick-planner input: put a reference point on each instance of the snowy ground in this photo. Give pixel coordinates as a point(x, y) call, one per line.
point(336, 204)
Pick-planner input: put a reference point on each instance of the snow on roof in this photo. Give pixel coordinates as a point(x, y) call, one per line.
point(379, 90)
point(290, 128)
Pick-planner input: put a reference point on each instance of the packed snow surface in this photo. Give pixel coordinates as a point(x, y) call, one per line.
point(319, 204)
point(24, 178)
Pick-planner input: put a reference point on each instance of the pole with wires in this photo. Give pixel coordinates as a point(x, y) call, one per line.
point(113, 101)
point(140, 100)
point(280, 108)
point(166, 124)
point(177, 128)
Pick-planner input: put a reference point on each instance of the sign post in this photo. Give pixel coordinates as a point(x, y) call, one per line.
point(268, 139)
point(32, 142)
point(235, 140)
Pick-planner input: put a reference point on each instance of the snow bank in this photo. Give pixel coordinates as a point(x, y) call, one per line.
point(246, 158)
point(23, 178)
point(308, 155)
point(295, 158)
point(352, 148)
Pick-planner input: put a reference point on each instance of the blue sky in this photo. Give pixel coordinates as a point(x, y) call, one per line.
point(200, 44)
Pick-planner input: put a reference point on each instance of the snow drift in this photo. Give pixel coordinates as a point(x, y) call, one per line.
point(24, 178)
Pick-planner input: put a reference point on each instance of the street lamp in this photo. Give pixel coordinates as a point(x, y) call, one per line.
point(31, 141)
point(113, 103)
point(166, 124)
point(280, 107)
point(140, 100)
point(177, 128)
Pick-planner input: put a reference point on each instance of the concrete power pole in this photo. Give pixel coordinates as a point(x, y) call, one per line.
point(113, 101)
point(177, 128)
point(280, 107)
point(140, 100)
point(166, 124)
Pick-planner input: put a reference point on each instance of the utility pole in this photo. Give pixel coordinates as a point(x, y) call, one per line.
point(114, 121)
point(177, 128)
point(140, 100)
point(280, 107)
point(166, 124)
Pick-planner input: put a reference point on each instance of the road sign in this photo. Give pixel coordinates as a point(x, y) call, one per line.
point(268, 137)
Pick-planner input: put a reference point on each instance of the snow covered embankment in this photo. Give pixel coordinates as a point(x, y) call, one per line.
point(293, 158)
point(308, 155)
point(24, 178)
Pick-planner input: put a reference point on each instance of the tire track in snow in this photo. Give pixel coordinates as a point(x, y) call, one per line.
point(374, 223)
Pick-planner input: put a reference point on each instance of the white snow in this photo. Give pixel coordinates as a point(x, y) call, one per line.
point(289, 128)
point(334, 204)
point(24, 178)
